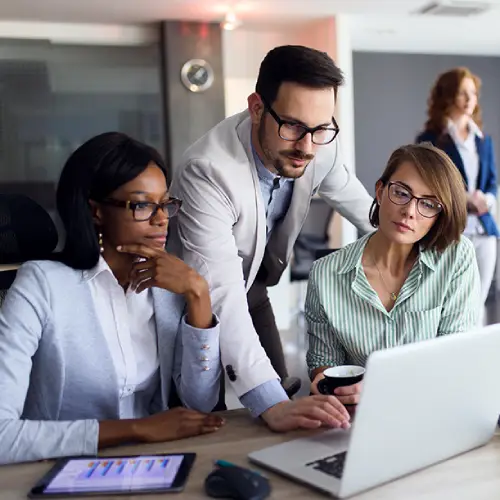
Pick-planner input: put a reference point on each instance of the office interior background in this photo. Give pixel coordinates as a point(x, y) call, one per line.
point(70, 70)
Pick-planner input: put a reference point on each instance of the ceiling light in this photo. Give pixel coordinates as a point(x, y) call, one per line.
point(454, 8)
point(230, 22)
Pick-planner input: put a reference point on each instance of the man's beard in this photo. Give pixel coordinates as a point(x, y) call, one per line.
point(277, 161)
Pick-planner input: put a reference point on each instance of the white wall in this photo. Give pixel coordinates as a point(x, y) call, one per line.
point(345, 110)
point(243, 50)
point(472, 35)
point(79, 33)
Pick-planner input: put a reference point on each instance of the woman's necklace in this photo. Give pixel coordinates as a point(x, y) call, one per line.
point(393, 295)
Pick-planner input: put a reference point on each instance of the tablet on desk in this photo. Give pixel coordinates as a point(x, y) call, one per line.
point(115, 476)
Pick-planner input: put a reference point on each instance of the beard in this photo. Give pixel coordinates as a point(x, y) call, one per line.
point(279, 159)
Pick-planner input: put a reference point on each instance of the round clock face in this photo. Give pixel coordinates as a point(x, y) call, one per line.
point(197, 75)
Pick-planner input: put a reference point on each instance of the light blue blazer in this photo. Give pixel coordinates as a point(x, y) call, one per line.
point(57, 377)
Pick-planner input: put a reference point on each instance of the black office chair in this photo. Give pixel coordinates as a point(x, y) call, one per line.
point(312, 240)
point(27, 232)
point(323, 252)
point(6, 279)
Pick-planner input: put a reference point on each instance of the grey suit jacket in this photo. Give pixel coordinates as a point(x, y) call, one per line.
point(223, 222)
point(57, 377)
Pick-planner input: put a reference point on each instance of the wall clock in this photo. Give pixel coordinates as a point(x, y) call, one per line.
point(197, 75)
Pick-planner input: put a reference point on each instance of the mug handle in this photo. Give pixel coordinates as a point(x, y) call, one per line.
point(322, 387)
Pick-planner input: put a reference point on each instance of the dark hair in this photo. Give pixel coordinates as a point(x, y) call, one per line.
point(93, 172)
point(443, 95)
point(440, 173)
point(296, 64)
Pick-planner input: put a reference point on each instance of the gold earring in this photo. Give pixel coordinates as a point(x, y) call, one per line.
point(101, 248)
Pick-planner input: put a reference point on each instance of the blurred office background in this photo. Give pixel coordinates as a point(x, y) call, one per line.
point(70, 70)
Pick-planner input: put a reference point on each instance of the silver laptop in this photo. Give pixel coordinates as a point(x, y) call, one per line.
point(421, 403)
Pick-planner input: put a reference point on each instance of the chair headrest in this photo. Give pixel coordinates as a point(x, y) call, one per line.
point(27, 231)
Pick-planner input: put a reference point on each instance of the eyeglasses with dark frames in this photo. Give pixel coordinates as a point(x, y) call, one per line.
point(400, 195)
point(146, 210)
point(293, 131)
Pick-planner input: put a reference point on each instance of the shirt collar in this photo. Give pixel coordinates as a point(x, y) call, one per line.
point(262, 171)
point(473, 128)
point(354, 255)
point(428, 258)
point(99, 268)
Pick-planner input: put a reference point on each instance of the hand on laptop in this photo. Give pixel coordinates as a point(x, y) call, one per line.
point(347, 395)
point(310, 412)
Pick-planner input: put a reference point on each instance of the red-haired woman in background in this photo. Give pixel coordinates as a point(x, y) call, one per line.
point(454, 125)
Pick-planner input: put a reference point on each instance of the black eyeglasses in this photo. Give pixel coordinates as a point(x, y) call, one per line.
point(146, 210)
point(293, 131)
point(400, 195)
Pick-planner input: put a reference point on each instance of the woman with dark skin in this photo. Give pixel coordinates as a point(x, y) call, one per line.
point(91, 344)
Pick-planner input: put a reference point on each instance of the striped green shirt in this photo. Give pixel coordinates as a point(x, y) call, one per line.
point(346, 320)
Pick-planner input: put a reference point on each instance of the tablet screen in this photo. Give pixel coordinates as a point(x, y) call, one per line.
point(119, 474)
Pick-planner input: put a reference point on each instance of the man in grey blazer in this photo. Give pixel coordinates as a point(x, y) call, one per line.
point(246, 188)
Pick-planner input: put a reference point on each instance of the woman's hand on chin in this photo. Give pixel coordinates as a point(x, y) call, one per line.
point(157, 268)
point(162, 270)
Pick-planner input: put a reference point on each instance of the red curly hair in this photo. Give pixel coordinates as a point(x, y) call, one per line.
point(443, 96)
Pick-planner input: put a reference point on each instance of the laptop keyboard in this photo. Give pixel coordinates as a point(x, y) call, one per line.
point(333, 465)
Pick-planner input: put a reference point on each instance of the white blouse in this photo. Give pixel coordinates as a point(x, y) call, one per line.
point(470, 158)
point(128, 323)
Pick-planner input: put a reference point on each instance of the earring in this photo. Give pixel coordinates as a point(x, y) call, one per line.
point(101, 248)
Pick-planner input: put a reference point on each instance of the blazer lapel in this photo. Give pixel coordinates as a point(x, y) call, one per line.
point(451, 150)
point(244, 132)
point(92, 348)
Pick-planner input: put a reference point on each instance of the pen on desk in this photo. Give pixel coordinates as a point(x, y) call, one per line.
point(225, 463)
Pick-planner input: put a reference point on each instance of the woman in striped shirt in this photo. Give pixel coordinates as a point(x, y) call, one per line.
point(414, 278)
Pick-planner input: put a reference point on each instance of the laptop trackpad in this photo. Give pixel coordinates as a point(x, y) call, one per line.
point(299, 452)
point(332, 437)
